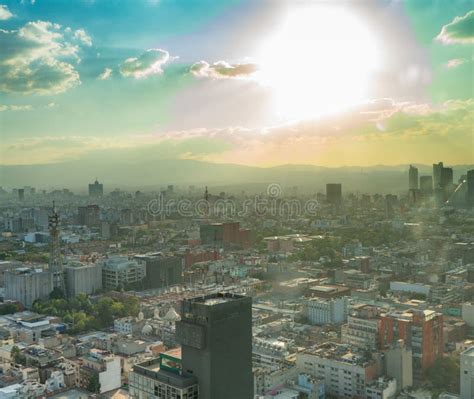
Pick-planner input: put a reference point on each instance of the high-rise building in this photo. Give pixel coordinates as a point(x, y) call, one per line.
point(422, 330)
point(88, 215)
point(426, 185)
point(121, 272)
point(83, 278)
point(27, 285)
point(334, 193)
point(437, 168)
point(467, 373)
point(96, 189)
point(446, 178)
point(21, 194)
point(215, 333)
point(161, 270)
point(470, 188)
point(413, 178)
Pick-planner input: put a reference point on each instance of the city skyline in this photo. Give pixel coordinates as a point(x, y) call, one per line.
point(253, 83)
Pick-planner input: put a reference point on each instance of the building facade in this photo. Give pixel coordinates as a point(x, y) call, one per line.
point(467, 373)
point(215, 333)
point(83, 278)
point(163, 378)
point(120, 272)
point(327, 311)
point(26, 285)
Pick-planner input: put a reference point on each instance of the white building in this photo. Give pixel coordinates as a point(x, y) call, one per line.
point(120, 271)
point(362, 328)
point(83, 278)
point(27, 285)
point(327, 311)
point(468, 313)
point(106, 366)
point(399, 365)
point(401, 286)
point(125, 325)
point(267, 378)
point(346, 374)
point(382, 388)
point(467, 373)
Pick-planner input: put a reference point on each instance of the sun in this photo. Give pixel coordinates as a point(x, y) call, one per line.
point(319, 61)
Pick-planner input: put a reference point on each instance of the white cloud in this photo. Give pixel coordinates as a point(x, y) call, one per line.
point(458, 31)
point(82, 36)
point(106, 74)
point(5, 13)
point(151, 62)
point(26, 107)
point(223, 70)
point(454, 63)
point(37, 59)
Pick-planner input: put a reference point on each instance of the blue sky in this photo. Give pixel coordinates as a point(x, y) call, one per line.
point(253, 81)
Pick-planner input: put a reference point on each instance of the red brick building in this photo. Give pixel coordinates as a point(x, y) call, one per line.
point(422, 330)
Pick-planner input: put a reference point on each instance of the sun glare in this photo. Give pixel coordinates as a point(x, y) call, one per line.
point(319, 61)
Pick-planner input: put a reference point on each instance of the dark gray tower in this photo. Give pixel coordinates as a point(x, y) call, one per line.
point(215, 333)
point(413, 178)
point(334, 193)
point(470, 188)
point(55, 262)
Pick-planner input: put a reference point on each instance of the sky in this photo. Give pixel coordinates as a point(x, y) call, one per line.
point(253, 82)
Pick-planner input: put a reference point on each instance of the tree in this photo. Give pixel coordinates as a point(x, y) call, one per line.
point(94, 384)
point(56, 293)
point(17, 356)
point(444, 374)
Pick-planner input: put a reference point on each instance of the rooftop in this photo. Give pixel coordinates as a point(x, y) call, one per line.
point(338, 352)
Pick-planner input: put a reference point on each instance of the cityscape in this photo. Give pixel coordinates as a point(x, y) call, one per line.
point(198, 202)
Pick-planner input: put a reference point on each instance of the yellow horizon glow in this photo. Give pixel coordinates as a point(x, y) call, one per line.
point(318, 62)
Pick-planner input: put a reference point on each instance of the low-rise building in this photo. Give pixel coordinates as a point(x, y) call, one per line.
point(345, 373)
point(162, 377)
point(327, 311)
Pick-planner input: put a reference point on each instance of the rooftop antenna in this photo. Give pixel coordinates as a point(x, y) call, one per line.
point(55, 263)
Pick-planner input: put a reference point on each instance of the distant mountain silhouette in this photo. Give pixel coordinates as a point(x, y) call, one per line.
point(152, 174)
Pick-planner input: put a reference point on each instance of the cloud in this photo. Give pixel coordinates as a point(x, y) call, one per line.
point(83, 37)
point(5, 13)
point(382, 131)
point(36, 59)
point(459, 31)
point(15, 108)
point(106, 74)
point(25, 107)
point(150, 63)
point(223, 70)
point(454, 63)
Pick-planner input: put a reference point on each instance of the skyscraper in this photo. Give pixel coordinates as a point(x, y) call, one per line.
point(446, 178)
point(413, 178)
point(96, 189)
point(437, 168)
point(470, 188)
point(215, 333)
point(334, 193)
point(426, 185)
